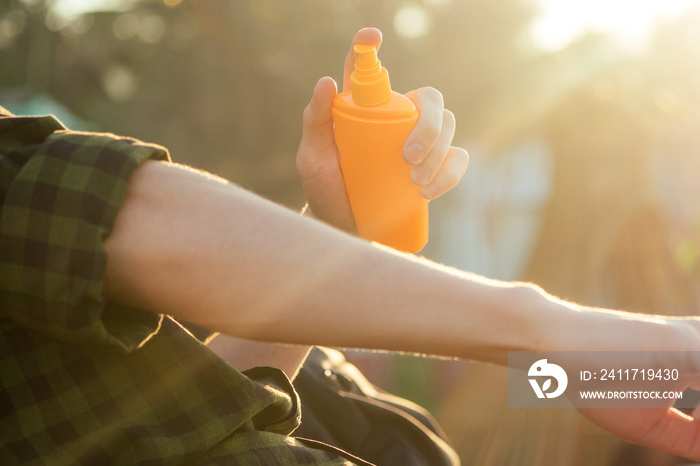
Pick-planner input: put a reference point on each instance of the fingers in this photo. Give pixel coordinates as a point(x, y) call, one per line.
point(364, 36)
point(317, 161)
point(438, 167)
point(425, 169)
point(429, 127)
point(449, 174)
point(676, 433)
point(317, 132)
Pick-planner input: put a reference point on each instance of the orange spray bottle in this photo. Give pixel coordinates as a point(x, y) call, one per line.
point(372, 122)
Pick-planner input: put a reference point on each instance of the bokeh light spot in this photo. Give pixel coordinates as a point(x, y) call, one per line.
point(412, 21)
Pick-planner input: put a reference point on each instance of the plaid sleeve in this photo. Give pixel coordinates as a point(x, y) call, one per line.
point(58, 208)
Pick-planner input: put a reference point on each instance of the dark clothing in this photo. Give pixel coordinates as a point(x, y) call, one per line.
point(342, 408)
point(87, 381)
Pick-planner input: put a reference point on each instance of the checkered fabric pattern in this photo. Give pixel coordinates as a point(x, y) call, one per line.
point(87, 381)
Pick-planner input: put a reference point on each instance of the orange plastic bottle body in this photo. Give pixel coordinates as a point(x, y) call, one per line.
point(387, 206)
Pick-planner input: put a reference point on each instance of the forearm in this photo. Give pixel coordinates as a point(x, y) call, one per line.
point(215, 255)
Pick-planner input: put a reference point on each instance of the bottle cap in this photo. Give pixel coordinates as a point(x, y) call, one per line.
point(369, 83)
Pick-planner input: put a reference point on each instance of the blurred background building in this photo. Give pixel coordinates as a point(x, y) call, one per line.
point(585, 153)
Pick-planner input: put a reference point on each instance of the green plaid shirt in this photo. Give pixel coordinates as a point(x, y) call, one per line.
point(88, 381)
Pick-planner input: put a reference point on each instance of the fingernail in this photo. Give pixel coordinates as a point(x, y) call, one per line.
point(429, 192)
point(415, 154)
point(420, 175)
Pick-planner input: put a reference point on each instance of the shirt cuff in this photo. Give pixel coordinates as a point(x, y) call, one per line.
point(57, 212)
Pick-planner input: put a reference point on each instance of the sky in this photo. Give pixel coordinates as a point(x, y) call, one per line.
point(73, 7)
point(630, 21)
point(560, 21)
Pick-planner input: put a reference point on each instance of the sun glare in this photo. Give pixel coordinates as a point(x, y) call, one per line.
point(629, 21)
point(411, 21)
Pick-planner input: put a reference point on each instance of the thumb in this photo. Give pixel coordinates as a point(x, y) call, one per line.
point(317, 133)
point(317, 161)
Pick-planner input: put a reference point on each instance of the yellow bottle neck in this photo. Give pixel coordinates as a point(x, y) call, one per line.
point(369, 83)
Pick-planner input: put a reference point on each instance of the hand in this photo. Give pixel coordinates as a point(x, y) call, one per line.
point(666, 343)
point(437, 166)
point(666, 429)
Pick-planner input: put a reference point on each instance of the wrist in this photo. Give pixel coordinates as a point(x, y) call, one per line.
point(522, 317)
point(583, 328)
point(549, 323)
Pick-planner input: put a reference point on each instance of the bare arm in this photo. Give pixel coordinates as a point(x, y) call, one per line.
point(213, 254)
point(206, 251)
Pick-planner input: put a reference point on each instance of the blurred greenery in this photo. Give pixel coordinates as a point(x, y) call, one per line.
point(223, 84)
point(214, 80)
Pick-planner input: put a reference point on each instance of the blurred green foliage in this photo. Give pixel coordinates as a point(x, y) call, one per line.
point(223, 83)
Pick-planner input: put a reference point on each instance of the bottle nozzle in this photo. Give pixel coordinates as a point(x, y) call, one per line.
point(370, 84)
point(366, 58)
